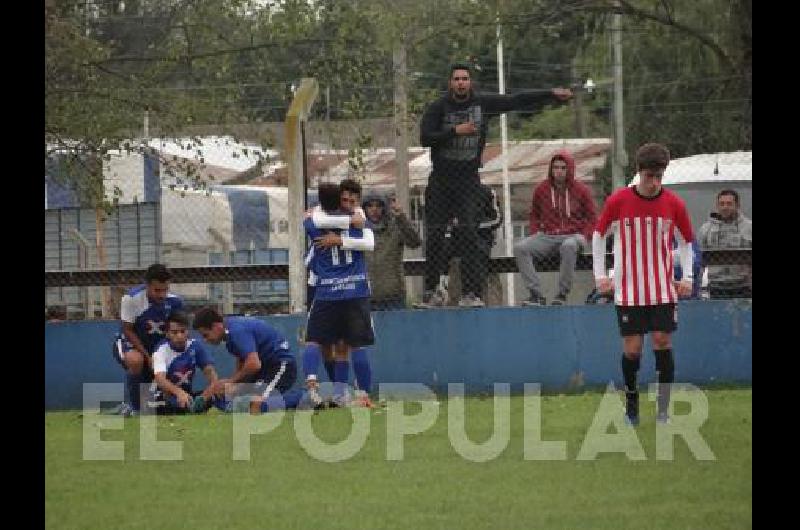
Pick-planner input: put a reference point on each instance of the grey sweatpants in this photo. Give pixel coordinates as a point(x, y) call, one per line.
point(542, 246)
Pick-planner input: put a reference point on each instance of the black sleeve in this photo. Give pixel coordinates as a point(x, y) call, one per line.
point(529, 101)
point(431, 133)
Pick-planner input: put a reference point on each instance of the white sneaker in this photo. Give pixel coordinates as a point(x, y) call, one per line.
point(312, 385)
point(430, 299)
point(470, 300)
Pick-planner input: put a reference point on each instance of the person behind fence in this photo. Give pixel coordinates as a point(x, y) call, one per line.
point(455, 128)
point(175, 361)
point(645, 220)
point(490, 220)
point(728, 228)
point(562, 218)
point(263, 356)
point(144, 310)
point(393, 233)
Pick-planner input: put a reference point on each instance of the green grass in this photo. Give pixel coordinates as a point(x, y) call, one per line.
point(432, 487)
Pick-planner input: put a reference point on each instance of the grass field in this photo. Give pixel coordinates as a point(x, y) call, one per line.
point(281, 486)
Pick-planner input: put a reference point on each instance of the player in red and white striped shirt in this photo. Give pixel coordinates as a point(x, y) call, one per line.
point(645, 220)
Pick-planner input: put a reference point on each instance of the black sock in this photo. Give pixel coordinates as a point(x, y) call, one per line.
point(629, 370)
point(665, 366)
point(329, 368)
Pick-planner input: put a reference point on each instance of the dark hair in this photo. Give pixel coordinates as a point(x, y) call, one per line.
point(460, 66)
point(158, 272)
point(652, 156)
point(329, 197)
point(206, 317)
point(732, 193)
point(351, 185)
point(179, 317)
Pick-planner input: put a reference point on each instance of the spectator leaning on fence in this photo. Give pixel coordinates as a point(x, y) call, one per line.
point(393, 233)
point(728, 228)
point(455, 127)
point(562, 219)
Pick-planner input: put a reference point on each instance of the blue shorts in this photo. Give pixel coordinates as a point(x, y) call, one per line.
point(332, 320)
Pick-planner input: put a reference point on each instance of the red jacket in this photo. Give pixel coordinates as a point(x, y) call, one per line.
point(568, 211)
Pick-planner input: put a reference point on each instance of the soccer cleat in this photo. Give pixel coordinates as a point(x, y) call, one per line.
point(197, 405)
point(362, 400)
point(633, 421)
point(312, 385)
point(632, 408)
point(125, 409)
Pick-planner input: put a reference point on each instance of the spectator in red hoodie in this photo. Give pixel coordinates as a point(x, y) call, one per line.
point(562, 219)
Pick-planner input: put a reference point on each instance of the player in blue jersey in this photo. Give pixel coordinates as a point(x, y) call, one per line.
point(351, 215)
point(262, 353)
point(340, 310)
point(175, 362)
point(144, 310)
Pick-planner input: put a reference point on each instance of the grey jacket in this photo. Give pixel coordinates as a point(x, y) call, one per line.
point(718, 234)
point(385, 262)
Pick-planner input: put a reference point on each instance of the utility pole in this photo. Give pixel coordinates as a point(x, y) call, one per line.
point(619, 158)
point(400, 68)
point(508, 232)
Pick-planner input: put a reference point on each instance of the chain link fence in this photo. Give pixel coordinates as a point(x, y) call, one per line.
point(467, 222)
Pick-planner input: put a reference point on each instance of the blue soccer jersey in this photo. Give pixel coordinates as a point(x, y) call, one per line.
point(247, 334)
point(340, 272)
point(180, 365)
point(146, 316)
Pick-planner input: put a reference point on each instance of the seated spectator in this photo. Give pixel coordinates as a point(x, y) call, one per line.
point(728, 228)
point(393, 232)
point(562, 220)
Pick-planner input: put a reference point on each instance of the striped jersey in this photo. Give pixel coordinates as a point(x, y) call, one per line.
point(644, 230)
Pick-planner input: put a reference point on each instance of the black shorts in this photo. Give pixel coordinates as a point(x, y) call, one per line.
point(120, 347)
point(332, 320)
point(639, 320)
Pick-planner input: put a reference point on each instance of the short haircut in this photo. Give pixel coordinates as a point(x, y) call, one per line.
point(206, 317)
point(652, 156)
point(178, 317)
point(351, 185)
point(730, 192)
point(460, 66)
point(329, 197)
point(157, 272)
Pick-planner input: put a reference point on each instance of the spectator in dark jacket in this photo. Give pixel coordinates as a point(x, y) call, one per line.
point(393, 233)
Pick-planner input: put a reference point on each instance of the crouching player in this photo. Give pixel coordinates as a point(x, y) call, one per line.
point(175, 362)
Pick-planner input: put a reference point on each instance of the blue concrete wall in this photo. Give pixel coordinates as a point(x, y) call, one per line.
point(547, 345)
